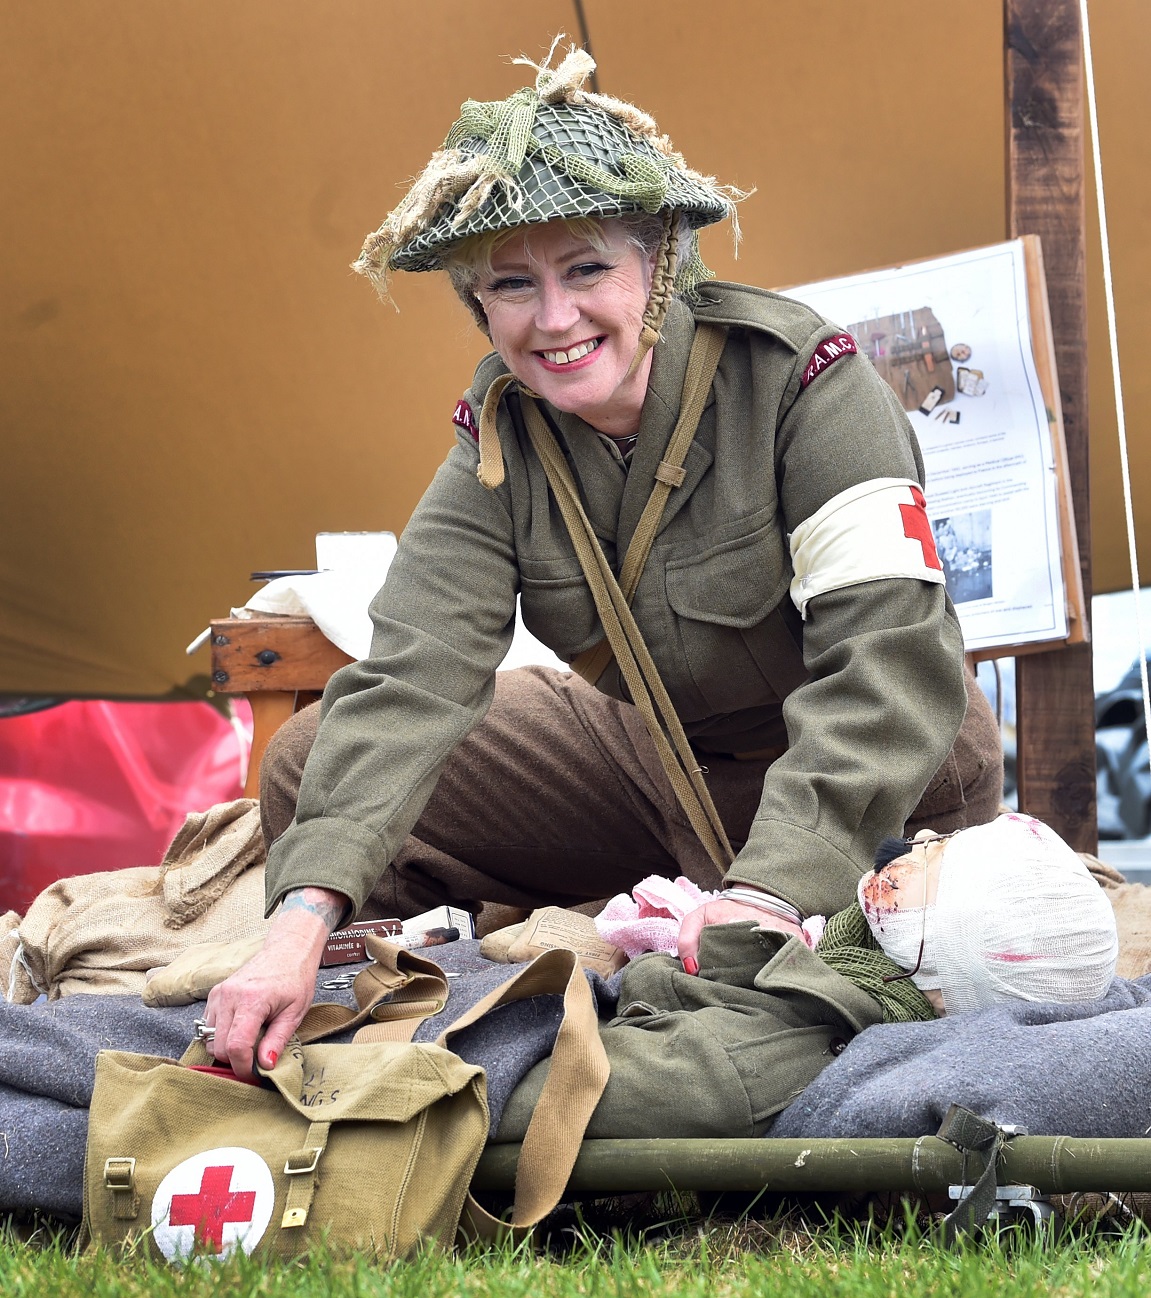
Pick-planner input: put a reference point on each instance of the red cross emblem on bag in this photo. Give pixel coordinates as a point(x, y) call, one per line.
point(213, 1203)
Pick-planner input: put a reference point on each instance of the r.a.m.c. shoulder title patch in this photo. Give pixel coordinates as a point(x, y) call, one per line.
point(827, 353)
point(463, 418)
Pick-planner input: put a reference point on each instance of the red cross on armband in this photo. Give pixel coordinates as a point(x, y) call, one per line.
point(215, 1206)
point(917, 527)
point(876, 530)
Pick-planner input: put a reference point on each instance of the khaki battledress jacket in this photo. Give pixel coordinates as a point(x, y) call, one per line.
point(867, 692)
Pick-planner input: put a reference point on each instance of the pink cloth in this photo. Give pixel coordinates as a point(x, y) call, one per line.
point(811, 930)
point(649, 919)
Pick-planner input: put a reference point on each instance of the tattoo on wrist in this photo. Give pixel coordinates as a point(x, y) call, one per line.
point(315, 902)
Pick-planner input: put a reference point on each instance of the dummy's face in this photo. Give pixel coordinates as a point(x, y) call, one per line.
point(894, 899)
point(565, 317)
point(909, 880)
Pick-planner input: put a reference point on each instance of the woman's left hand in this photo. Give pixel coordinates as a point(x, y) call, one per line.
point(723, 912)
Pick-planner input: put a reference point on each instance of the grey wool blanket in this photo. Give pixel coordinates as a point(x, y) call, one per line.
point(1055, 1070)
point(48, 1062)
point(47, 1070)
point(1079, 1070)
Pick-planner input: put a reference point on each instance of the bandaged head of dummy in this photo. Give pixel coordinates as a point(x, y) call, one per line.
point(1012, 914)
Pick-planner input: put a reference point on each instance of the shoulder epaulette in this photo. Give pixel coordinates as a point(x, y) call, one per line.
point(745, 307)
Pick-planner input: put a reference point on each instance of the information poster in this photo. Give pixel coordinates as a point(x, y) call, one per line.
point(952, 336)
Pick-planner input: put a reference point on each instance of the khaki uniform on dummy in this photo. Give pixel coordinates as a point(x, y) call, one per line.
point(945, 924)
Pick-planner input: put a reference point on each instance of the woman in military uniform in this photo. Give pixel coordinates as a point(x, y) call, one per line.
point(786, 582)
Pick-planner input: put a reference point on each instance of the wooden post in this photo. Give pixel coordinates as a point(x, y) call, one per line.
point(1045, 168)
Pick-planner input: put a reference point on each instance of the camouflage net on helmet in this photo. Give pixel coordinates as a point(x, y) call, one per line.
point(654, 176)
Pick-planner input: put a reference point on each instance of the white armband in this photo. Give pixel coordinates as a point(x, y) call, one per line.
point(869, 532)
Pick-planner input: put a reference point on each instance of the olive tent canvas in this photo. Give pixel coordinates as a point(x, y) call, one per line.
point(193, 383)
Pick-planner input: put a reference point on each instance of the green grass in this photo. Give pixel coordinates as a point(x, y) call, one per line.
point(680, 1258)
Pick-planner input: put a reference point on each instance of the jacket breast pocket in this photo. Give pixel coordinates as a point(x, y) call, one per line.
point(733, 581)
point(556, 604)
point(739, 650)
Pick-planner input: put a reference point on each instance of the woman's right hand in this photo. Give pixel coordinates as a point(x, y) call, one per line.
point(723, 912)
point(256, 1010)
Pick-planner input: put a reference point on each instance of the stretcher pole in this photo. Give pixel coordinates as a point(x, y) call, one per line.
point(1052, 1164)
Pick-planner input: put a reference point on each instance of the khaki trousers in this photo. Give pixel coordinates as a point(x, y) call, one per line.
point(558, 797)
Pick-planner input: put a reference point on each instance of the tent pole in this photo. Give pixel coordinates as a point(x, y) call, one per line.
point(1055, 728)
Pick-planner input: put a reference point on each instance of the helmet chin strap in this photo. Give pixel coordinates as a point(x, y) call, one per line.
point(662, 289)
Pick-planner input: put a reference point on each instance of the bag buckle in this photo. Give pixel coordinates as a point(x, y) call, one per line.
point(295, 1164)
point(299, 1195)
point(119, 1173)
point(120, 1180)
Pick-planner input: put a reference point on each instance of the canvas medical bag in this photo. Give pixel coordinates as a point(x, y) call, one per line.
point(366, 1146)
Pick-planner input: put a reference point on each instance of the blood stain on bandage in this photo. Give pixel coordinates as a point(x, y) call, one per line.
point(879, 894)
point(1034, 827)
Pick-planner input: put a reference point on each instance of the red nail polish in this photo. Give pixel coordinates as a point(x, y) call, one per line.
point(272, 1059)
point(690, 964)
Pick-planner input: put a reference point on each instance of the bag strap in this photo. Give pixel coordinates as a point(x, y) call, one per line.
point(576, 1079)
point(702, 363)
point(575, 1082)
point(635, 661)
point(415, 988)
point(395, 993)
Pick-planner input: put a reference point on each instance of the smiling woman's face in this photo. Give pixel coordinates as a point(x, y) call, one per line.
point(566, 316)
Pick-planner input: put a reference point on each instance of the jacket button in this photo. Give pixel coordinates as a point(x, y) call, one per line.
point(837, 1045)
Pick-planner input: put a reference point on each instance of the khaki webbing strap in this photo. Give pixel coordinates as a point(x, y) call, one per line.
point(669, 475)
point(490, 470)
point(398, 1022)
point(702, 362)
point(554, 1135)
point(300, 1168)
point(422, 993)
point(395, 993)
point(983, 1140)
point(575, 1082)
point(632, 654)
point(120, 1182)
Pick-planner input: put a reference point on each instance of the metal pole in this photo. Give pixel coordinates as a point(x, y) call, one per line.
point(1052, 1164)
